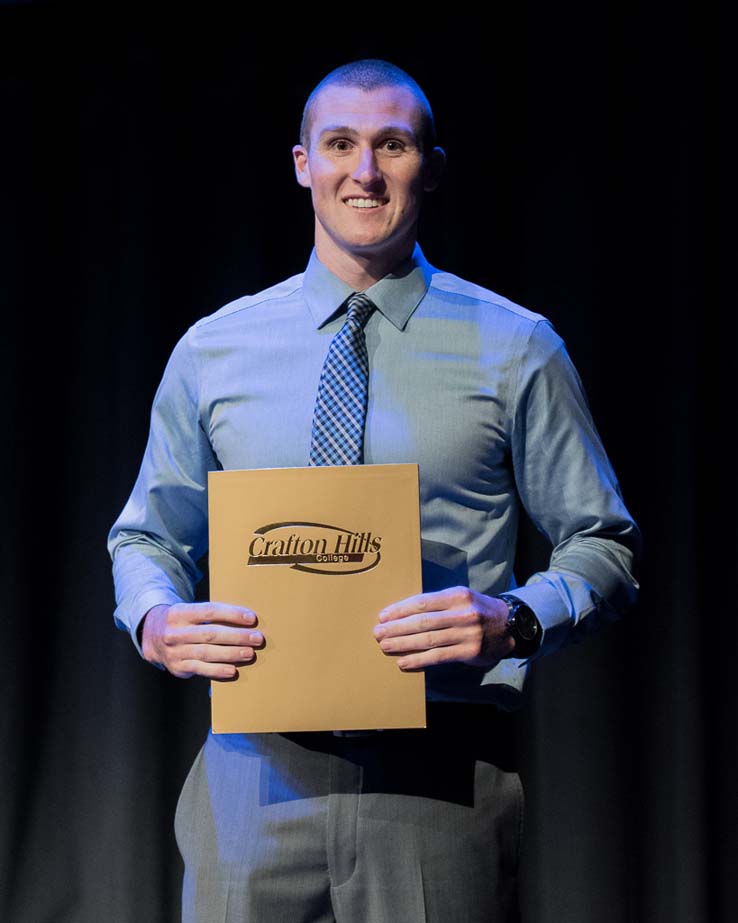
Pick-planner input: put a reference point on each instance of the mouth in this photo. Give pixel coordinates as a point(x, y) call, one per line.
point(355, 202)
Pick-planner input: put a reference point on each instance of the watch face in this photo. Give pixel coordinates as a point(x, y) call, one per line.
point(526, 623)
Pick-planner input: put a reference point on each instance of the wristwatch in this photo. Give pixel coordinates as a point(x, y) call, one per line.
point(523, 626)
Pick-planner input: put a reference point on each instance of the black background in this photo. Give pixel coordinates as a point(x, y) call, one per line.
point(147, 180)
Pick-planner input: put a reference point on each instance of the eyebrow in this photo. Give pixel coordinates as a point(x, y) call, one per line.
point(385, 129)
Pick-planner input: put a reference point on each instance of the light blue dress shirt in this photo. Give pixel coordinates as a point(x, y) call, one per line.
point(479, 391)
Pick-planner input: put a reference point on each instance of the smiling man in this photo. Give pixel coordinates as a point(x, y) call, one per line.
point(393, 826)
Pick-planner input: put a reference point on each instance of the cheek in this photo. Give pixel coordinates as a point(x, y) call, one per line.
point(323, 187)
point(412, 197)
point(319, 196)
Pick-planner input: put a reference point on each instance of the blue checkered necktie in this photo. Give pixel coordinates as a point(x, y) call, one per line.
point(340, 408)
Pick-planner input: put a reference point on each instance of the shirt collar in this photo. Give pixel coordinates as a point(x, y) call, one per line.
point(397, 295)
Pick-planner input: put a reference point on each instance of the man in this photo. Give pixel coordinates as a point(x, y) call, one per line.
point(393, 826)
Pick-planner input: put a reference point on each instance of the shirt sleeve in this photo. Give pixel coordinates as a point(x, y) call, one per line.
point(569, 489)
point(162, 531)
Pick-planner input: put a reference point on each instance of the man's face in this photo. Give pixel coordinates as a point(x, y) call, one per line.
point(366, 171)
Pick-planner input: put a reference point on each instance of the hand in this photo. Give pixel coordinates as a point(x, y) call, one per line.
point(203, 639)
point(454, 625)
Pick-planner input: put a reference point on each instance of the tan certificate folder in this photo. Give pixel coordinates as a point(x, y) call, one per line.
point(316, 553)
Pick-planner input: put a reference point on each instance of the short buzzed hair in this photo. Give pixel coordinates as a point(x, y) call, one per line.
point(371, 74)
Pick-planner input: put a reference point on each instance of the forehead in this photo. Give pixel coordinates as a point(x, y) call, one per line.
point(366, 110)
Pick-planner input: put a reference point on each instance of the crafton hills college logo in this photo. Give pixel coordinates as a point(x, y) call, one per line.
point(314, 547)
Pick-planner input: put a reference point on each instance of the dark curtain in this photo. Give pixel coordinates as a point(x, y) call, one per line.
point(146, 181)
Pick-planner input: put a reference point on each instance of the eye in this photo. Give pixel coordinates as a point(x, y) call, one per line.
point(341, 145)
point(393, 146)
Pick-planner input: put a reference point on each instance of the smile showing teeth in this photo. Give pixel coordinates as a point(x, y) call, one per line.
point(364, 203)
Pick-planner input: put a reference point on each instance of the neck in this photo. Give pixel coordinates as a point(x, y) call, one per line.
point(359, 271)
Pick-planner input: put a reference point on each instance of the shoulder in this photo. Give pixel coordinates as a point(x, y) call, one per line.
point(216, 335)
point(244, 317)
point(446, 285)
point(275, 295)
point(497, 318)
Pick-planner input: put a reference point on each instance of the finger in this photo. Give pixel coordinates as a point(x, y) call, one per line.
point(468, 650)
point(427, 640)
point(427, 621)
point(211, 612)
point(211, 661)
point(222, 635)
point(213, 671)
point(215, 653)
point(177, 637)
point(420, 660)
point(439, 601)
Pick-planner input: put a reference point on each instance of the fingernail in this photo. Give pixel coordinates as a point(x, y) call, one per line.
point(256, 637)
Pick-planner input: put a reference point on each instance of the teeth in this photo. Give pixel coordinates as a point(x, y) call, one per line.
point(364, 203)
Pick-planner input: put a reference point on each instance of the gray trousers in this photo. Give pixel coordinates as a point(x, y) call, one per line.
point(395, 827)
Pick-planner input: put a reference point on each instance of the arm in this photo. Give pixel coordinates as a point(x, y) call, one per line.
point(568, 488)
point(161, 534)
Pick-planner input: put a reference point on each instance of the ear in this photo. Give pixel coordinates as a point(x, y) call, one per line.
point(302, 166)
point(434, 165)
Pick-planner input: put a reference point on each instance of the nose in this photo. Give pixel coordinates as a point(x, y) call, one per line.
point(367, 170)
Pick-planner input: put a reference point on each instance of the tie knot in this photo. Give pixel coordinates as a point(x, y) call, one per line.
point(359, 309)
